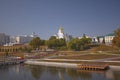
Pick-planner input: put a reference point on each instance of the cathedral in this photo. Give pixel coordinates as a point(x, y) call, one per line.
point(60, 33)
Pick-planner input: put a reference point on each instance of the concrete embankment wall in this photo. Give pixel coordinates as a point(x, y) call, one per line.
point(55, 64)
point(115, 68)
point(65, 65)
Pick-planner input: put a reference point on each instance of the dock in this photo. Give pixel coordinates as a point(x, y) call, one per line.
point(93, 67)
point(10, 61)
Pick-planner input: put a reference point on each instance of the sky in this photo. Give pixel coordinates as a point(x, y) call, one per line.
point(44, 17)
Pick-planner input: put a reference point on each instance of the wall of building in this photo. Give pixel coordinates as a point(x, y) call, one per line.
point(4, 38)
point(23, 39)
point(108, 39)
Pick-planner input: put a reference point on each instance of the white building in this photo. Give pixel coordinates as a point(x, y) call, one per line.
point(94, 40)
point(109, 38)
point(101, 39)
point(60, 33)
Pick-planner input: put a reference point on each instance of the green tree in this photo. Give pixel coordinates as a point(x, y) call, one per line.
point(55, 43)
point(85, 43)
point(79, 44)
point(42, 42)
point(116, 39)
point(74, 44)
point(61, 42)
point(35, 43)
point(52, 42)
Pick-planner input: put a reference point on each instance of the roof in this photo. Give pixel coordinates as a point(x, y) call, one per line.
point(111, 34)
point(101, 36)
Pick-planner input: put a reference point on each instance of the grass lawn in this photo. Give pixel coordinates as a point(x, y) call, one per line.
point(83, 56)
point(86, 56)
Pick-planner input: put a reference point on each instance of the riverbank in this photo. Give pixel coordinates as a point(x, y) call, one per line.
point(63, 64)
point(53, 64)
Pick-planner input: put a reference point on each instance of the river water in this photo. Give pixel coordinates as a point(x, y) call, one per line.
point(28, 72)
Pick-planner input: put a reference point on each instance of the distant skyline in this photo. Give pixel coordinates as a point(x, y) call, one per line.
point(44, 17)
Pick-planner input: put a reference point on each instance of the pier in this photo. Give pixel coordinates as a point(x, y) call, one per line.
point(94, 67)
point(10, 60)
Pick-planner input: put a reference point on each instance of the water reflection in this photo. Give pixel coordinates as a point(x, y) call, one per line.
point(55, 73)
point(36, 72)
point(27, 72)
point(113, 75)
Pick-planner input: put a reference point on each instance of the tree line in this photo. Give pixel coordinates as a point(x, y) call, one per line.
point(75, 44)
point(61, 44)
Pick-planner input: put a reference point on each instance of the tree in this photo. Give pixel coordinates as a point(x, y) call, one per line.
point(74, 44)
point(116, 39)
point(52, 42)
point(79, 44)
point(35, 43)
point(85, 43)
point(55, 43)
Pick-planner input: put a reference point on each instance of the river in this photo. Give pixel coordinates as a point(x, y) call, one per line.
point(28, 72)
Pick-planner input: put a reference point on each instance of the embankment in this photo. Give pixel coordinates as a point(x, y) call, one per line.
point(54, 64)
point(62, 64)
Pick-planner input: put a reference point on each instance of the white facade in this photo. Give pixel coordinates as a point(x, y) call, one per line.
point(109, 38)
point(101, 38)
point(94, 39)
point(60, 33)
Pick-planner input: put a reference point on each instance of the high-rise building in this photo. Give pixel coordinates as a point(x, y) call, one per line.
point(4, 38)
point(25, 39)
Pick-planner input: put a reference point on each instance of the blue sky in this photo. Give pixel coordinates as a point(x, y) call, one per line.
point(44, 17)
